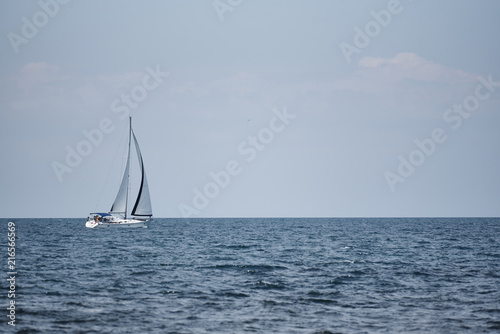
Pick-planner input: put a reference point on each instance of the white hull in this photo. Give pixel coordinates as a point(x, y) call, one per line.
point(122, 223)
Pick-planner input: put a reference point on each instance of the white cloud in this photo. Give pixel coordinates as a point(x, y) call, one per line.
point(409, 65)
point(49, 87)
point(38, 73)
point(90, 95)
point(242, 83)
point(238, 85)
point(403, 71)
point(406, 83)
point(118, 83)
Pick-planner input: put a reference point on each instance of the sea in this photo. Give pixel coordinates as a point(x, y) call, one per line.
point(254, 275)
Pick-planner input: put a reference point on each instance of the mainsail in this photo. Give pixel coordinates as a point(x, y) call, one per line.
point(120, 204)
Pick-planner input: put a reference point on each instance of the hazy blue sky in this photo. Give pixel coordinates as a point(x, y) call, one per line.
point(316, 107)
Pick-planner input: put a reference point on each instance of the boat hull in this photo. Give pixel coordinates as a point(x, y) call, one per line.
point(122, 223)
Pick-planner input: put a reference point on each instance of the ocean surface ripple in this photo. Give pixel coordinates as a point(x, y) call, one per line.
point(269, 275)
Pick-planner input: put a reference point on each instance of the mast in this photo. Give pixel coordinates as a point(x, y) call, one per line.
point(128, 161)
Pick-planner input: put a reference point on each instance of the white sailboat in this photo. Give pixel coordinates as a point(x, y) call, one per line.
point(141, 212)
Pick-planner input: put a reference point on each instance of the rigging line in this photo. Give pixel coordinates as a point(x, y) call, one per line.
point(109, 171)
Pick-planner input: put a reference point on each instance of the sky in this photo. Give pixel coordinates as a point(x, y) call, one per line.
point(262, 108)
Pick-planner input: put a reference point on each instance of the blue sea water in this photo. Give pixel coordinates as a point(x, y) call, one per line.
point(375, 275)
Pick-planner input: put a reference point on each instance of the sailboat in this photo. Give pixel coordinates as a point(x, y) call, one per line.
point(141, 212)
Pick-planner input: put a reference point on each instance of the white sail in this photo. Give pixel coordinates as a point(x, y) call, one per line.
point(142, 205)
point(120, 204)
